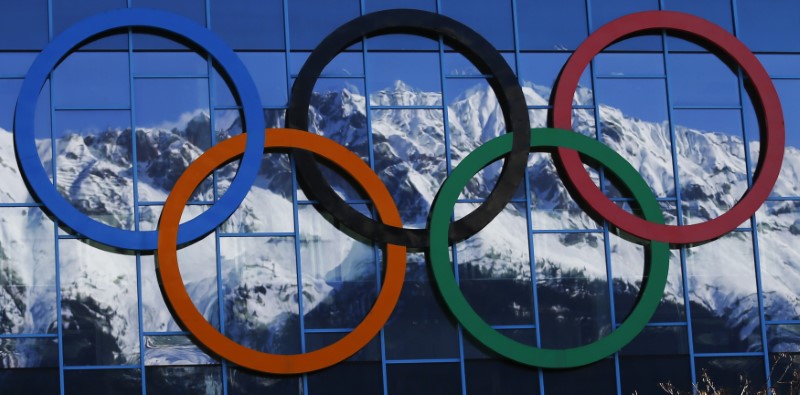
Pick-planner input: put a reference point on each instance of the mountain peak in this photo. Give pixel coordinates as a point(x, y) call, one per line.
point(399, 85)
point(402, 94)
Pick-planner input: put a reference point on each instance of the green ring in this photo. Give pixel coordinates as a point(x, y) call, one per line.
point(439, 255)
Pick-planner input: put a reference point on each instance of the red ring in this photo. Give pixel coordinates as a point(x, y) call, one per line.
point(770, 158)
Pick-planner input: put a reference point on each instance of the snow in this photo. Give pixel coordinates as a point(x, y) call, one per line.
point(259, 274)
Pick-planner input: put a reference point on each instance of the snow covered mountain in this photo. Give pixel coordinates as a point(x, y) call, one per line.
point(259, 276)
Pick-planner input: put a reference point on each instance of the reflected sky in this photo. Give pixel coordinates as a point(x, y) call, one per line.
point(631, 82)
point(693, 79)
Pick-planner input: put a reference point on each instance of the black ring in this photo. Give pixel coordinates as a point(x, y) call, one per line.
point(480, 52)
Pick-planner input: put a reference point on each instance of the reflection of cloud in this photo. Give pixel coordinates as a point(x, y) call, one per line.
point(464, 71)
point(88, 130)
point(224, 119)
point(352, 88)
point(182, 121)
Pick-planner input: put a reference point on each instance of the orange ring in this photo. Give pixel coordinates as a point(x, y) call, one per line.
point(185, 310)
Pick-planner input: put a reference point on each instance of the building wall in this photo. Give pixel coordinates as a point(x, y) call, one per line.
point(81, 317)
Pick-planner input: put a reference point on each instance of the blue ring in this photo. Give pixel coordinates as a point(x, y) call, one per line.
point(60, 47)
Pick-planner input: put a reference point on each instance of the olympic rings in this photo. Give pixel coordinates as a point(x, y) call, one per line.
point(185, 310)
point(439, 255)
point(440, 232)
point(41, 185)
point(770, 159)
point(473, 46)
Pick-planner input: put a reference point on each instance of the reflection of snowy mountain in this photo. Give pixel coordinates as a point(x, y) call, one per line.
point(259, 275)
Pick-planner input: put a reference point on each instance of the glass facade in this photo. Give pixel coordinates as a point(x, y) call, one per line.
point(77, 317)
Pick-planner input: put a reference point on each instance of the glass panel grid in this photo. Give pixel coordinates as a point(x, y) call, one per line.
point(459, 368)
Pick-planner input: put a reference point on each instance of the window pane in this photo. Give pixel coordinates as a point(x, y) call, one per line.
point(79, 83)
point(95, 126)
point(634, 122)
point(347, 377)
point(702, 80)
point(359, 374)
point(403, 42)
point(539, 71)
point(169, 64)
point(19, 353)
point(99, 306)
point(789, 94)
point(730, 375)
point(342, 270)
point(99, 381)
point(16, 64)
point(559, 25)
point(435, 378)
point(27, 275)
point(552, 207)
point(261, 293)
point(371, 352)
point(192, 9)
point(627, 266)
point(23, 25)
point(488, 373)
point(173, 127)
point(770, 28)
point(409, 158)
point(93, 159)
point(30, 381)
point(170, 103)
point(718, 12)
point(245, 382)
point(399, 41)
point(393, 83)
point(456, 63)
point(173, 350)
point(780, 65)
point(268, 70)
point(778, 228)
point(620, 64)
point(310, 21)
point(68, 13)
point(378, 5)
point(198, 266)
point(249, 24)
point(14, 189)
point(338, 112)
point(184, 379)
point(268, 205)
point(711, 162)
point(419, 327)
point(475, 117)
point(609, 10)
point(597, 378)
point(493, 21)
point(494, 268)
point(723, 316)
point(344, 64)
point(656, 360)
point(465, 98)
point(572, 286)
point(785, 372)
point(783, 339)
point(195, 10)
point(42, 131)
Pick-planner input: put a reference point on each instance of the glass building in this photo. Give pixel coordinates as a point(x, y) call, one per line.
point(278, 276)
